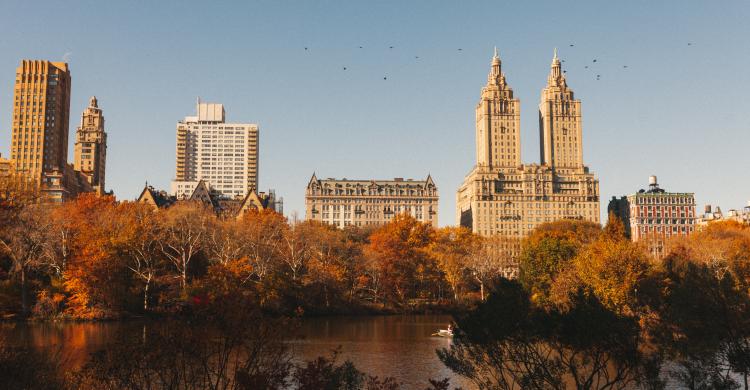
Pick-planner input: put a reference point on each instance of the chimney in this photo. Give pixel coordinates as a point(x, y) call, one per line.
point(707, 210)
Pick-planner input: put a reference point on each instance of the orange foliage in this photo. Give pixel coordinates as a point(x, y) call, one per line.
point(90, 276)
point(399, 250)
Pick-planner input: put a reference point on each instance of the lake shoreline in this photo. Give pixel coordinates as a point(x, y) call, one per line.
point(450, 311)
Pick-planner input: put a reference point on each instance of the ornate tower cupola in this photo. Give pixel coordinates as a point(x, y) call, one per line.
point(498, 116)
point(560, 127)
point(496, 76)
point(556, 77)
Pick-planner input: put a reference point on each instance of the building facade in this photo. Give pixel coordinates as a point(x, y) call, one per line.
point(260, 201)
point(501, 195)
point(222, 206)
point(345, 202)
point(654, 216)
point(223, 154)
point(41, 107)
point(716, 215)
point(91, 146)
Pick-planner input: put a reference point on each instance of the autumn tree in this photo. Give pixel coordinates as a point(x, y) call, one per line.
point(451, 247)
point(140, 244)
point(24, 242)
point(700, 294)
point(261, 230)
point(615, 229)
point(355, 239)
point(613, 270)
point(549, 249)
point(95, 279)
point(16, 193)
point(223, 241)
point(183, 229)
point(490, 257)
point(327, 263)
point(294, 249)
point(508, 342)
point(398, 249)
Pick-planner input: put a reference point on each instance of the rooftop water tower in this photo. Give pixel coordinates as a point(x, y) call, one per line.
point(652, 183)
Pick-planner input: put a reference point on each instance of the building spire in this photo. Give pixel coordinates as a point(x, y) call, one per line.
point(496, 75)
point(555, 74)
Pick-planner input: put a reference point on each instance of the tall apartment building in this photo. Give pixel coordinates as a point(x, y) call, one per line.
point(41, 106)
point(501, 195)
point(655, 215)
point(225, 155)
point(370, 202)
point(91, 146)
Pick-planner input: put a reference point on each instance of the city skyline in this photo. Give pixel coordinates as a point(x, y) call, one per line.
point(675, 111)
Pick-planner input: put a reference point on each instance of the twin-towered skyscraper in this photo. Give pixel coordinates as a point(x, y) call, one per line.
point(501, 195)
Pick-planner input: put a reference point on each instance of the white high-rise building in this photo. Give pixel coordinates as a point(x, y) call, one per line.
point(224, 155)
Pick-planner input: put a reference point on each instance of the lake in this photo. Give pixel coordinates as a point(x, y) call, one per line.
point(398, 346)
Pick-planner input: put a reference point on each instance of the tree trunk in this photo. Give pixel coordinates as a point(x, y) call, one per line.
point(145, 294)
point(744, 376)
point(481, 290)
point(184, 276)
point(24, 298)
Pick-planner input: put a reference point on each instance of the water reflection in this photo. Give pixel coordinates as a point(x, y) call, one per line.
point(398, 346)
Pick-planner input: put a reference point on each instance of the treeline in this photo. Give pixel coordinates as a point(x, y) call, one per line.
point(96, 258)
point(591, 310)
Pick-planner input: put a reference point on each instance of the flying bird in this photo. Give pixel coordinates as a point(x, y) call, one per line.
point(460, 49)
point(690, 44)
point(586, 67)
point(360, 47)
point(305, 48)
point(625, 66)
point(345, 68)
point(594, 59)
point(390, 47)
point(417, 57)
point(572, 45)
point(385, 78)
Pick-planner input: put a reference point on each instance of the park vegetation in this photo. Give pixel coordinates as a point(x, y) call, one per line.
point(580, 306)
point(593, 310)
point(95, 258)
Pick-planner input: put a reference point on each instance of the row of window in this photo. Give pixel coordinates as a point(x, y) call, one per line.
point(666, 229)
point(668, 200)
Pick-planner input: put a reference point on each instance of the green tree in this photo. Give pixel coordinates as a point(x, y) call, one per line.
point(549, 250)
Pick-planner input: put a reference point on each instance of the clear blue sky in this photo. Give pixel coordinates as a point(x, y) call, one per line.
point(678, 111)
